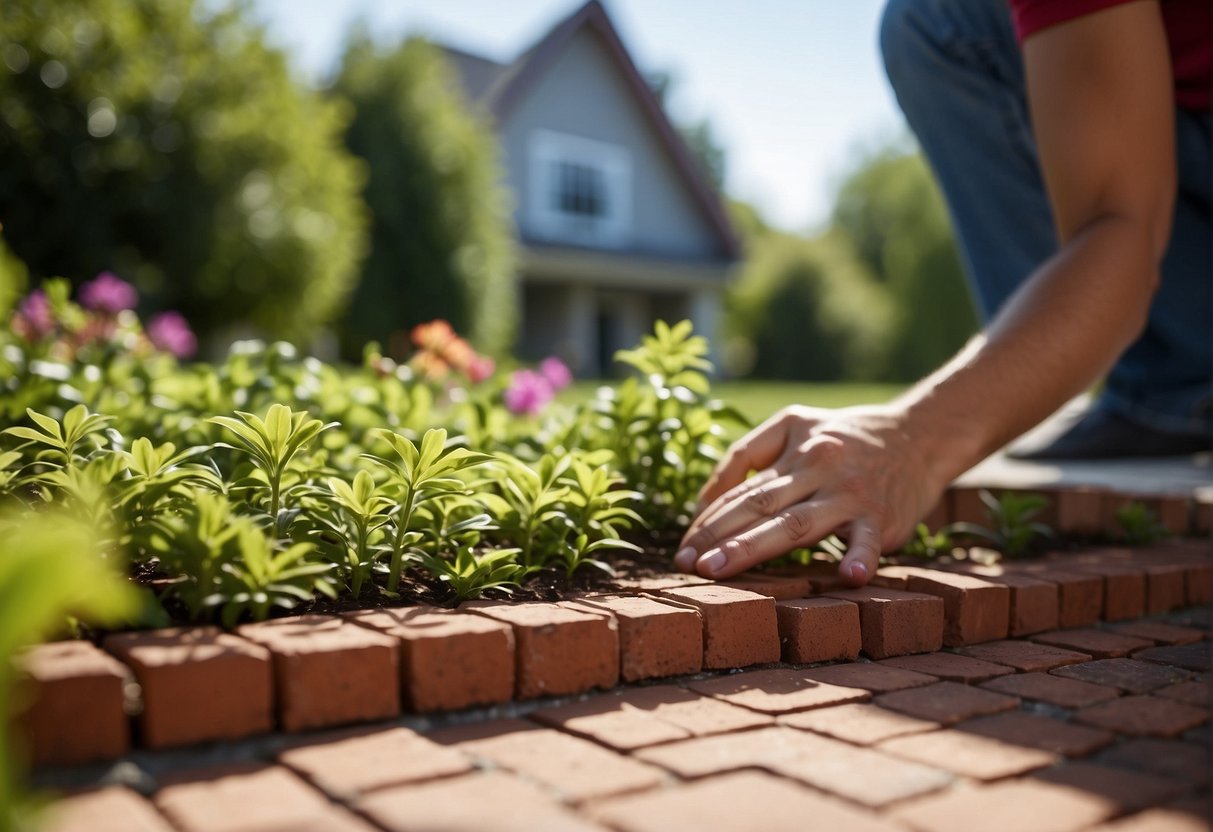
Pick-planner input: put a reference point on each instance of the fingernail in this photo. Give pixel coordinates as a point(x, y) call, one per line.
point(859, 573)
point(712, 563)
point(685, 559)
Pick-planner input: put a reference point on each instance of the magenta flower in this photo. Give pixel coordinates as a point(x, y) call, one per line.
point(108, 293)
point(36, 315)
point(556, 372)
point(170, 333)
point(529, 392)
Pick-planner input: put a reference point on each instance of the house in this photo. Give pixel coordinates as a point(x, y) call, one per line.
point(617, 224)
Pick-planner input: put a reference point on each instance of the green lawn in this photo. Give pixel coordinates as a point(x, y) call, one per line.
point(759, 399)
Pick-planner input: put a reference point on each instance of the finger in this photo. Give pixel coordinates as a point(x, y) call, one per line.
point(756, 450)
point(748, 508)
point(798, 525)
point(863, 552)
point(726, 500)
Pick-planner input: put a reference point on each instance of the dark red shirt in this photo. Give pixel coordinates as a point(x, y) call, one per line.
point(1189, 25)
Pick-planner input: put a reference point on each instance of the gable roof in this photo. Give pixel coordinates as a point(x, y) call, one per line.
point(501, 87)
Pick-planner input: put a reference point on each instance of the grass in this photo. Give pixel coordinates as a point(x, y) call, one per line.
point(759, 399)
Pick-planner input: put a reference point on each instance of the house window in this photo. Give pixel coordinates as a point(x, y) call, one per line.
point(580, 190)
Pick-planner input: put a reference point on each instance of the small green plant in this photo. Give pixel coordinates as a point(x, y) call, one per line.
point(530, 506)
point(1139, 525)
point(63, 445)
point(469, 574)
point(272, 443)
point(598, 511)
point(351, 521)
point(1013, 531)
point(927, 545)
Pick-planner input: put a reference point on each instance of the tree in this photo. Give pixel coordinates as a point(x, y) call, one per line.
point(442, 245)
point(894, 217)
point(165, 141)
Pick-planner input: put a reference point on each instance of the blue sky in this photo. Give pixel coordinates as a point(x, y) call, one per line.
point(793, 87)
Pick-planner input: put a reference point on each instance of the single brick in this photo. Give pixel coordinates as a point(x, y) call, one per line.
point(1198, 657)
point(107, 809)
point(1043, 687)
point(199, 684)
point(1166, 586)
point(874, 677)
point(1079, 510)
point(641, 717)
point(894, 623)
point(975, 609)
point(1183, 761)
point(1042, 732)
point(247, 797)
point(779, 587)
point(739, 627)
point(1098, 643)
point(353, 763)
point(1124, 588)
point(1198, 584)
point(774, 803)
point(1127, 674)
point(1079, 596)
point(858, 723)
point(1126, 790)
point(1199, 693)
point(1024, 655)
point(1143, 716)
point(1164, 819)
point(1159, 632)
point(858, 774)
point(655, 639)
point(949, 666)
point(1016, 806)
point(777, 691)
point(1035, 604)
point(449, 660)
point(947, 702)
point(484, 800)
point(818, 630)
point(328, 671)
point(76, 711)
point(557, 650)
point(656, 583)
point(969, 755)
point(577, 769)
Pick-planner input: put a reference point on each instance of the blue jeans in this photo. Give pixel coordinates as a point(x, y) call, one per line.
point(958, 75)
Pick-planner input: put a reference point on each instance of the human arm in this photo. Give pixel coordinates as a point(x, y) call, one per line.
point(1101, 104)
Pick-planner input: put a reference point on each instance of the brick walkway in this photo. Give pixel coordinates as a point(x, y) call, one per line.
point(1102, 729)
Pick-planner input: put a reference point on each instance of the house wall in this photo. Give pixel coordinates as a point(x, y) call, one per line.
point(584, 94)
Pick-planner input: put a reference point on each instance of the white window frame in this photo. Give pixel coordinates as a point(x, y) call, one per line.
point(546, 150)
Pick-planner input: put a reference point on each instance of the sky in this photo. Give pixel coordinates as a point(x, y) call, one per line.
point(793, 88)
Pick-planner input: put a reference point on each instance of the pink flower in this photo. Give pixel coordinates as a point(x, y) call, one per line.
point(35, 316)
point(170, 333)
point(108, 293)
point(480, 368)
point(529, 392)
point(556, 372)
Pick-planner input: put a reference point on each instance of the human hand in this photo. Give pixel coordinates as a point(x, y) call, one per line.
point(857, 472)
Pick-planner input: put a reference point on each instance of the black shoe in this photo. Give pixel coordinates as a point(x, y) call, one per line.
point(1104, 435)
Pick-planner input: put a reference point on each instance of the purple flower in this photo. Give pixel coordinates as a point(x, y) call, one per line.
point(35, 312)
point(170, 333)
point(556, 373)
point(529, 392)
point(108, 293)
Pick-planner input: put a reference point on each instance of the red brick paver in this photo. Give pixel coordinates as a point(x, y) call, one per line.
point(858, 723)
point(1126, 674)
point(777, 691)
point(1098, 643)
point(975, 610)
point(1197, 657)
point(1194, 692)
point(329, 671)
point(739, 627)
point(1185, 761)
point(1045, 733)
point(1151, 716)
point(969, 755)
point(779, 587)
point(655, 639)
point(355, 762)
point(1080, 597)
point(894, 623)
point(818, 630)
point(1159, 632)
point(1016, 806)
point(1024, 655)
point(1055, 690)
point(198, 684)
point(870, 676)
point(947, 702)
point(1126, 790)
point(1124, 586)
point(448, 660)
point(950, 666)
point(107, 809)
point(76, 714)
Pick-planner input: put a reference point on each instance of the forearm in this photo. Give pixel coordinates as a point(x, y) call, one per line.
point(1058, 335)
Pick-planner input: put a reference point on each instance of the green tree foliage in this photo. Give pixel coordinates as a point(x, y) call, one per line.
point(441, 237)
point(894, 216)
point(163, 139)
